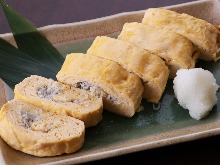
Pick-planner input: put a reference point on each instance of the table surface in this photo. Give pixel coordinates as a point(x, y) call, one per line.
point(45, 12)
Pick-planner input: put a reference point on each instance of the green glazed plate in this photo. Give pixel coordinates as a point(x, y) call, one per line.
point(157, 125)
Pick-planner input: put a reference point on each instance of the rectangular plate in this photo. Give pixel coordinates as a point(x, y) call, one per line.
point(116, 135)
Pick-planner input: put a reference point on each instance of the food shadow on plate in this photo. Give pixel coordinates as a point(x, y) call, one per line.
point(168, 115)
point(153, 119)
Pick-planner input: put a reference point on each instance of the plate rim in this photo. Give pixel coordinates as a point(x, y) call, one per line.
point(48, 28)
point(191, 133)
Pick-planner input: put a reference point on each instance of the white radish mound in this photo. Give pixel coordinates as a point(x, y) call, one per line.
point(195, 90)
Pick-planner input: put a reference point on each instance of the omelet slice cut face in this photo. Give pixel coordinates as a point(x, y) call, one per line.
point(60, 98)
point(177, 51)
point(201, 33)
point(121, 90)
point(39, 132)
point(149, 67)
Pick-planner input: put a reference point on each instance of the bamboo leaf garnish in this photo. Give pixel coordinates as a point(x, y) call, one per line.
point(16, 65)
point(30, 41)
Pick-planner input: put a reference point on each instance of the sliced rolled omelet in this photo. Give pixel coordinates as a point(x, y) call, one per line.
point(121, 91)
point(150, 68)
point(61, 98)
point(39, 132)
point(177, 51)
point(201, 33)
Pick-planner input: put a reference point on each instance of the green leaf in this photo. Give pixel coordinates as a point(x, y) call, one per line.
point(16, 65)
point(30, 41)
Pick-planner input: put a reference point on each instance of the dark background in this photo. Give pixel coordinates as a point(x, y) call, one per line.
point(45, 12)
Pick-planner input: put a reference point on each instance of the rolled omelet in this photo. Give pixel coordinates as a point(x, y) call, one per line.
point(121, 91)
point(201, 33)
point(177, 51)
point(61, 98)
point(150, 68)
point(39, 132)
